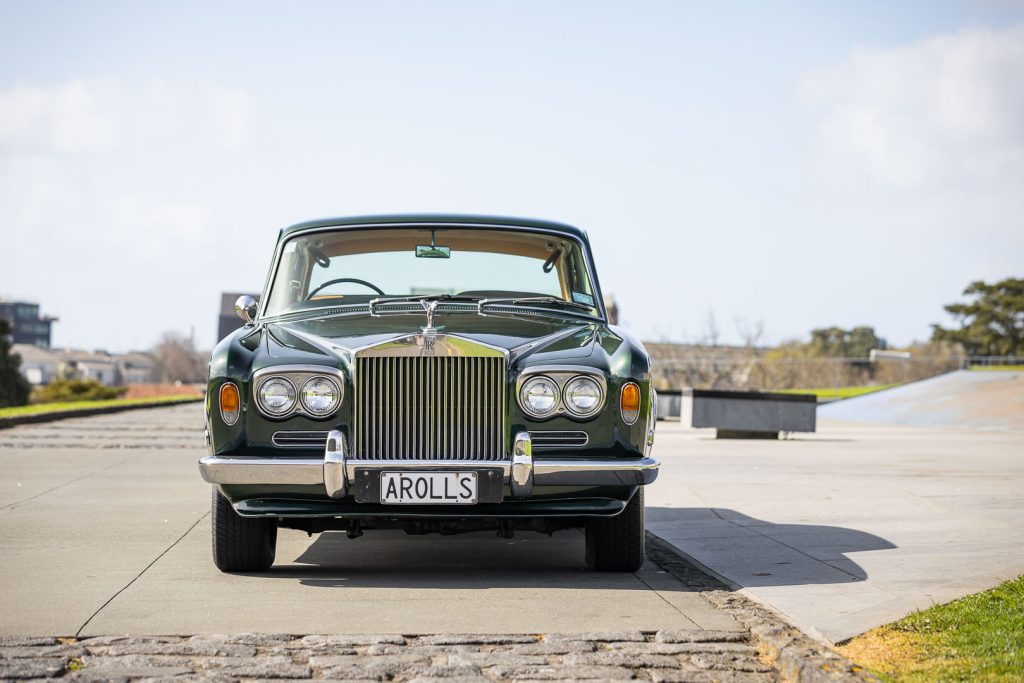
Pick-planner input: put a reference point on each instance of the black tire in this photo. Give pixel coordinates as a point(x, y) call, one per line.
point(241, 544)
point(616, 544)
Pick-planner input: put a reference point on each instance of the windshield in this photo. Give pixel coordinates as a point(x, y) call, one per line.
point(356, 266)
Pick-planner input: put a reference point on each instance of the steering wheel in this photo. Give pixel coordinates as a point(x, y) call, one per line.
point(356, 280)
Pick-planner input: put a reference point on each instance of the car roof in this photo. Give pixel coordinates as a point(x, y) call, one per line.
point(475, 221)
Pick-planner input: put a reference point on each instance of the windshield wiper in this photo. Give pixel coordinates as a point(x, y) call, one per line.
point(419, 297)
point(534, 300)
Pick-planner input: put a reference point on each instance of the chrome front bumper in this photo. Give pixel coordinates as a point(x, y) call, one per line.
point(335, 472)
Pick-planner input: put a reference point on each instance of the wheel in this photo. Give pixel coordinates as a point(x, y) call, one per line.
point(241, 544)
point(616, 544)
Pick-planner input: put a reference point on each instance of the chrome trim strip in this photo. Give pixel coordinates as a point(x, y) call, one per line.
point(241, 469)
point(299, 439)
point(539, 436)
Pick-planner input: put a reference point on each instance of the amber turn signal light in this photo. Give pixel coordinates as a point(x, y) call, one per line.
point(629, 402)
point(229, 403)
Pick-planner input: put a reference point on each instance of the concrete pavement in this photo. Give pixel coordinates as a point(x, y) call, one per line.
point(104, 528)
point(851, 527)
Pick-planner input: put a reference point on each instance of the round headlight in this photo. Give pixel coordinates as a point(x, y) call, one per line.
point(277, 396)
point(320, 396)
point(539, 396)
point(583, 396)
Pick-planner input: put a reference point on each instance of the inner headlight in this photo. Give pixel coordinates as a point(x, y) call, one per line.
point(276, 396)
point(583, 396)
point(320, 396)
point(539, 396)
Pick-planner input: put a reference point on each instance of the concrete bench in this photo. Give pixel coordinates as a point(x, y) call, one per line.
point(669, 404)
point(748, 414)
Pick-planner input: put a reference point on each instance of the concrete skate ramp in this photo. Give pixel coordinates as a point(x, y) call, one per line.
point(965, 398)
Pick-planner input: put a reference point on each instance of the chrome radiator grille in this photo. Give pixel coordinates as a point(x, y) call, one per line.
point(430, 408)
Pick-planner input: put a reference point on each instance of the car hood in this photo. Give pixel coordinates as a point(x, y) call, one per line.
point(330, 339)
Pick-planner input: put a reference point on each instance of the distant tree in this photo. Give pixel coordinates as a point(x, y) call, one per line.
point(836, 342)
point(14, 388)
point(177, 360)
point(992, 324)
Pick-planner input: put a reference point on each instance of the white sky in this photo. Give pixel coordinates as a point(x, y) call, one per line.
point(801, 164)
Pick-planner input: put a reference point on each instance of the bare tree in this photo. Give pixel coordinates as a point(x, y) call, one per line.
point(177, 360)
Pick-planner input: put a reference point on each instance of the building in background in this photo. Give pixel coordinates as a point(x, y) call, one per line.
point(28, 327)
point(228, 321)
point(41, 366)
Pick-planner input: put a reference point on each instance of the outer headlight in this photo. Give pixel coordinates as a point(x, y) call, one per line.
point(539, 396)
point(583, 397)
point(320, 396)
point(276, 396)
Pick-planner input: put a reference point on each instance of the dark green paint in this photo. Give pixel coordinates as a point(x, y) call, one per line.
point(311, 339)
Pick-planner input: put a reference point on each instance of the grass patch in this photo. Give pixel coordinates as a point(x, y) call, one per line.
point(998, 368)
point(838, 392)
point(976, 638)
point(43, 408)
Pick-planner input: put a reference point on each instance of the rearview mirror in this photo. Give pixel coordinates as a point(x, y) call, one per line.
point(433, 251)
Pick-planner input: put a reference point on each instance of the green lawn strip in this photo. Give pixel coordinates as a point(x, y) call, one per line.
point(998, 368)
point(44, 408)
point(838, 392)
point(976, 638)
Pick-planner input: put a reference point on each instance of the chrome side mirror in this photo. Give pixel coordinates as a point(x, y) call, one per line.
point(245, 308)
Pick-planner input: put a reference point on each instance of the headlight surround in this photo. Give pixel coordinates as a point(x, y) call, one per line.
point(276, 396)
point(538, 396)
point(320, 396)
point(583, 396)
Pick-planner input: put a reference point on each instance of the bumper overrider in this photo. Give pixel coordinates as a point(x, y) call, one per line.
point(337, 472)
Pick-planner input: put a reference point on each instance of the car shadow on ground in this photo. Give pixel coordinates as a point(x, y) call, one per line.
point(745, 550)
point(464, 561)
point(752, 552)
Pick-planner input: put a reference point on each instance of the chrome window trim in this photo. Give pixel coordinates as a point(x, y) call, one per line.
point(297, 376)
point(272, 274)
point(561, 375)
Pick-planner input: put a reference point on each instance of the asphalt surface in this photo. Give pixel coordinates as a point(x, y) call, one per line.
point(104, 529)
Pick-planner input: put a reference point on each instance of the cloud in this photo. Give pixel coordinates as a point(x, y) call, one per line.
point(89, 115)
point(947, 111)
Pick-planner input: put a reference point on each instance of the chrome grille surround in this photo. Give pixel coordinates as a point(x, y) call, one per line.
point(430, 397)
point(559, 439)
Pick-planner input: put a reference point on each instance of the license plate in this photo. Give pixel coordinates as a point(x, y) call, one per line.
point(428, 488)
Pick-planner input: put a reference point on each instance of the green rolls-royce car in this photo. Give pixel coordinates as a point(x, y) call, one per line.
point(432, 374)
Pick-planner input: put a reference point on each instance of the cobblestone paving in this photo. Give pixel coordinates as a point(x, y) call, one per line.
point(676, 656)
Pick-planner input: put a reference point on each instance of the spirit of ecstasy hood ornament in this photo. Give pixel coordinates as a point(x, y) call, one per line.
point(429, 332)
